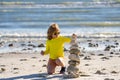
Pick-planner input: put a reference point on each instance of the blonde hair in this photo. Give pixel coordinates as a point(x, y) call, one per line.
point(51, 30)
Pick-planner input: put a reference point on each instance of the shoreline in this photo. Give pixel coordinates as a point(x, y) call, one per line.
point(34, 45)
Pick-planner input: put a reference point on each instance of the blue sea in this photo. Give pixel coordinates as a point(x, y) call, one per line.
point(30, 19)
point(86, 18)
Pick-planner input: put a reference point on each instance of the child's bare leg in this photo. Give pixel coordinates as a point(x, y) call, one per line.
point(51, 66)
point(60, 62)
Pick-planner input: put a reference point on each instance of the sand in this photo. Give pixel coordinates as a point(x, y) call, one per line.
point(32, 66)
point(94, 65)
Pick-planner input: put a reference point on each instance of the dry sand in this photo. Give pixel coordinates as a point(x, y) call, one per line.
point(32, 66)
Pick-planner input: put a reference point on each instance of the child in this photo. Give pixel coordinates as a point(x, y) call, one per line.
point(55, 47)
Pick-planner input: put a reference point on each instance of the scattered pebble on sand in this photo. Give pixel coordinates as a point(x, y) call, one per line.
point(44, 60)
point(100, 64)
point(100, 54)
point(114, 72)
point(44, 65)
point(10, 45)
point(109, 79)
point(86, 64)
point(2, 65)
point(87, 58)
point(41, 45)
point(23, 59)
point(2, 70)
point(15, 68)
point(33, 57)
point(99, 72)
point(106, 58)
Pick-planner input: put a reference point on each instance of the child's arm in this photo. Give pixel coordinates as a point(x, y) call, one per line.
point(46, 51)
point(42, 52)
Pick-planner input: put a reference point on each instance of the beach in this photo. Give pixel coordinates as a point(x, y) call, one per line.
point(23, 32)
point(95, 63)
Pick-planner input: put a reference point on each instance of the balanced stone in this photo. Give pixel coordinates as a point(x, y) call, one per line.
point(73, 39)
point(72, 62)
point(73, 75)
point(74, 51)
point(75, 46)
point(73, 42)
point(74, 57)
point(73, 71)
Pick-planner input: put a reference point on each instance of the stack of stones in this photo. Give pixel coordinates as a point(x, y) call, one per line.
point(73, 70)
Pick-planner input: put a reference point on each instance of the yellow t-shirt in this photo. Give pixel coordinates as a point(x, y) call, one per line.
point(55, 47)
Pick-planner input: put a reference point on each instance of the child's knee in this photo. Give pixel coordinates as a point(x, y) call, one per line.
point(60, 61)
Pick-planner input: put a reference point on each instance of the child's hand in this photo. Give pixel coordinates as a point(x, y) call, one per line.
point(73, 39)
point(74, 36)
point(42, 52)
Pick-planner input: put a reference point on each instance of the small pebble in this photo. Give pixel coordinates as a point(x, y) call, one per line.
point(114, 72)
point(15, 68)
point(44, 65)
point(23, 59)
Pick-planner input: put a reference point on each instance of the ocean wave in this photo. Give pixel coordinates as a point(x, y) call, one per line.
point(64, 4)
point(80, 35)
point(61, 23)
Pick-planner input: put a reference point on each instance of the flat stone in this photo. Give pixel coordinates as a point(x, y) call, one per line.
point(73, 75)
point(114, 72)
point(105, 58)
point(74, 63)
point(72, 69)
point(74, 57)
point(74, 51)
point(74, 47)
point(99, 72)
point(87, 58)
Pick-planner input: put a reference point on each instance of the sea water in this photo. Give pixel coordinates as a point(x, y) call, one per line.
point(86, 18)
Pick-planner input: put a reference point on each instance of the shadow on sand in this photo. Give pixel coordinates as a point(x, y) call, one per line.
point(39, 76)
